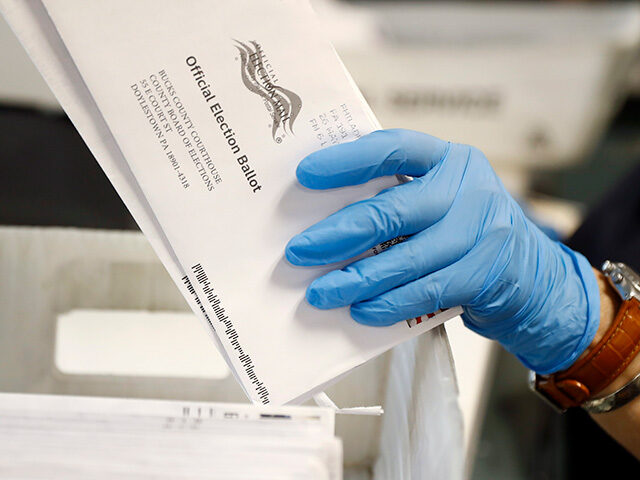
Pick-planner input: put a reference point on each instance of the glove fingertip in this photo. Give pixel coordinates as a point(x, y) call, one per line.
point(316, 298)
point(303, 176)
point(308, 174)
point(364, 316)
point(292, 256)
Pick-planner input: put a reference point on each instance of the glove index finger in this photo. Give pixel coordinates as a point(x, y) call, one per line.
point(381, 153)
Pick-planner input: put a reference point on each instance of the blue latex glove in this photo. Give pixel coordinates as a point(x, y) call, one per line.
point(470, 244)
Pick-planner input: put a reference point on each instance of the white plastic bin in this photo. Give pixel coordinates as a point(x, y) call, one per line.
point(52, 278)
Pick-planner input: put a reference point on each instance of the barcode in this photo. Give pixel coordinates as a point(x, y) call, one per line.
point(215, 303)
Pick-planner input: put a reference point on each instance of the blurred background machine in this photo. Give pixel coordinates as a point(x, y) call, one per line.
point(531, 84)
point(549, 91)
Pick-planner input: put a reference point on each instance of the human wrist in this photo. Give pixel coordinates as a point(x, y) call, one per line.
point(610, 303)
point(609, 307)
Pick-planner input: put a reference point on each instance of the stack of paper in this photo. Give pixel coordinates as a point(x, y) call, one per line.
point(81, 437)
point(199, 112)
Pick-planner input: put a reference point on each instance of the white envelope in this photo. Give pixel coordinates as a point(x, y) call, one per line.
point(202, 111)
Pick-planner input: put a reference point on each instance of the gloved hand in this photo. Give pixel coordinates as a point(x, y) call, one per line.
point(470, 244)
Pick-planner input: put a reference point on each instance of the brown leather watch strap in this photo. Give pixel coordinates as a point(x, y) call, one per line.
point(596, 370)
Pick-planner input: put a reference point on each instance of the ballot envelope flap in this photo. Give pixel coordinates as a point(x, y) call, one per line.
point(212, 106)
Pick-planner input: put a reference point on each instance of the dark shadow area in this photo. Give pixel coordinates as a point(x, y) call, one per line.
point(48, 176)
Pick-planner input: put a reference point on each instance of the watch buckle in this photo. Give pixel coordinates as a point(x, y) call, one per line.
point(541, 394)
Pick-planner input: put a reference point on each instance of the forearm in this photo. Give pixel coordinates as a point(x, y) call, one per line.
point(622, 424)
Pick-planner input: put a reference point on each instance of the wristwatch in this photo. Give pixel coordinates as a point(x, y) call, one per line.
point(580, 383)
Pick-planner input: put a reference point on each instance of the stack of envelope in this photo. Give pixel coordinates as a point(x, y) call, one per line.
point(54, 437)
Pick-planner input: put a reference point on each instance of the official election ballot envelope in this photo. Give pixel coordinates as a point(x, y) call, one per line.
point(199, 113)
